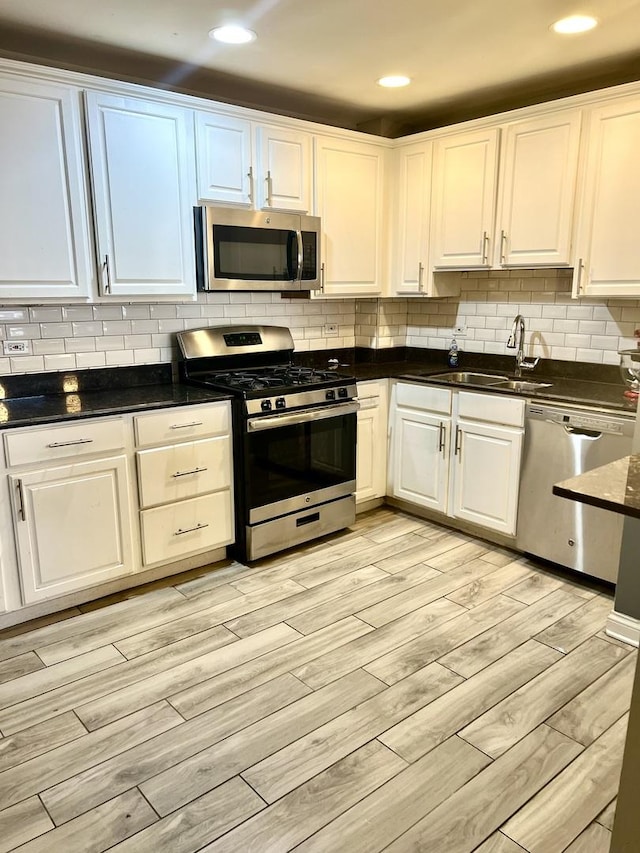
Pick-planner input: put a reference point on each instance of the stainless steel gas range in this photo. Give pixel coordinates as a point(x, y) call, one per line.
point(294, 435)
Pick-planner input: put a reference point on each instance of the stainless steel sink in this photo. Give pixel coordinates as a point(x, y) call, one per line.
point(466, 378)
point(522, 385)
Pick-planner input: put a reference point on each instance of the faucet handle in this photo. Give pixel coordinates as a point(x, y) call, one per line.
point(529, 363)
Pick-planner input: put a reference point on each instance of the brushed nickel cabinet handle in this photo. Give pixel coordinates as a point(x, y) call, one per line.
point(107, 269)
point(186, 473)
point(420, 281)
point(458, 445)
point(579, 281)
point(184, 426)
point(250, 176)
point(503, 247)
point(180, 532)
point(70, 443)
point(441, 437)
point(485, 247)
point(269, 181)
point(21, 513)
point(322, 277)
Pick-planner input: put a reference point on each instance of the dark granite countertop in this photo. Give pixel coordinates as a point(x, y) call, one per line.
point(594, 385)
point(27, 400)
point(615, 486)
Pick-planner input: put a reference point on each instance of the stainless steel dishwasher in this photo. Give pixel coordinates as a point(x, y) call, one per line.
point(561, 442)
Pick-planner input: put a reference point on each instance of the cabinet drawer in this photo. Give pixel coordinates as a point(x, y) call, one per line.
point(493, 408)
point(177, 530)
point(182, 424)
point(424, 397)
point(371, 389)
point(183, 470)
point(43, 444)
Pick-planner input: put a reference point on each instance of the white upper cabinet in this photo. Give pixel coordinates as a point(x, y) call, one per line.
point(223, 153)
point(411, 273)
point(44, 220)
point(537, 195)
point(463, 204)
point(608, 245)
point(284, 169)
point(412, 184)
point(350, 202)
point(144, 190)
point(261, 166)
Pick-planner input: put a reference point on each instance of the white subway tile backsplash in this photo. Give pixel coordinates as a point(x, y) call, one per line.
point(90, 359)
point(48, 346)
point(56, 330)
point(45, 314)
point(23, 333)
point(60, 362)
point(107, 312)
point(77, 313)
point(87, 330)
point(121, 334)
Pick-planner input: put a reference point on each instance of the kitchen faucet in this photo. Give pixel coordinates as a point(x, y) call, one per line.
point(517, 334)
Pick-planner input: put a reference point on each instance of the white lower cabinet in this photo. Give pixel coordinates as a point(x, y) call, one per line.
point(486, 476)
point(184, 486)
point(457, 453)
point(71, 499)
point(371, 459)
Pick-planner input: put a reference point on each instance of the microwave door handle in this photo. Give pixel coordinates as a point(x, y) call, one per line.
point(298, 277)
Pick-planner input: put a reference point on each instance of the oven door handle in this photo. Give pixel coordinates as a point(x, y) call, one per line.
point(303, 417)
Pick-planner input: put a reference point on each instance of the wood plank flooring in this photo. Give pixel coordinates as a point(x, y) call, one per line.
point(396, 687)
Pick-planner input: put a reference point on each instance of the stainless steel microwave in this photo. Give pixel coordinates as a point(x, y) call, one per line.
point(246, 250)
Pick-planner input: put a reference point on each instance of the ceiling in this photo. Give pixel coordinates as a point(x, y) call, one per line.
point(320, 59)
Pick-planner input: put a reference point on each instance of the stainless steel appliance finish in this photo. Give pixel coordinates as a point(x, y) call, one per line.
point(294, 431)
point(247, 250)
point(295, 528)
point(561, 442)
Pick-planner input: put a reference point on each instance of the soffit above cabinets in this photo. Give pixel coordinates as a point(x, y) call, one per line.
point(321, 60)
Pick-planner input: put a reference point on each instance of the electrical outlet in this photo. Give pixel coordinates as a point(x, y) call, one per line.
point(460, 331)
point(331, 330)
point(15, 347)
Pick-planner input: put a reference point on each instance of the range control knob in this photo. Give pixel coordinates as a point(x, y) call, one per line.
point(265, 405)
point(330, 395)
point(280, 403)
point(342, 392)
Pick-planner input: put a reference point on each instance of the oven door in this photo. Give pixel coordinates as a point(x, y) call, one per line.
point(299, 459)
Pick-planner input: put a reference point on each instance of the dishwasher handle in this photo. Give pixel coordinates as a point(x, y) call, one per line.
point(583, 433)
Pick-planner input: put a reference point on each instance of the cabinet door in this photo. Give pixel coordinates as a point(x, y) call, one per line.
point(413, 188)
point(608, 231)
point(44, 221)
point(535, 217)
point(486, 473)
point(420, 447)
point(223, 153)
point(284, 169)
point(464, 191)
point(144, 191)
point(371, 459)
point(349, 186)
point(73, 527)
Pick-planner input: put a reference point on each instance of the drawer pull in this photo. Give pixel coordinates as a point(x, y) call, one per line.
point(70, 443)
point(186, 473)
point(184, 426)
point(180, 532)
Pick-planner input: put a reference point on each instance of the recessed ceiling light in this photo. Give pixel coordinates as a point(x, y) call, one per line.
point(574, 24)
point(395, 81)
point(232, 35)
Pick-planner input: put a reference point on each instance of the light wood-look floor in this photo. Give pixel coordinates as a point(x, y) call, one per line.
point(396, 687)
